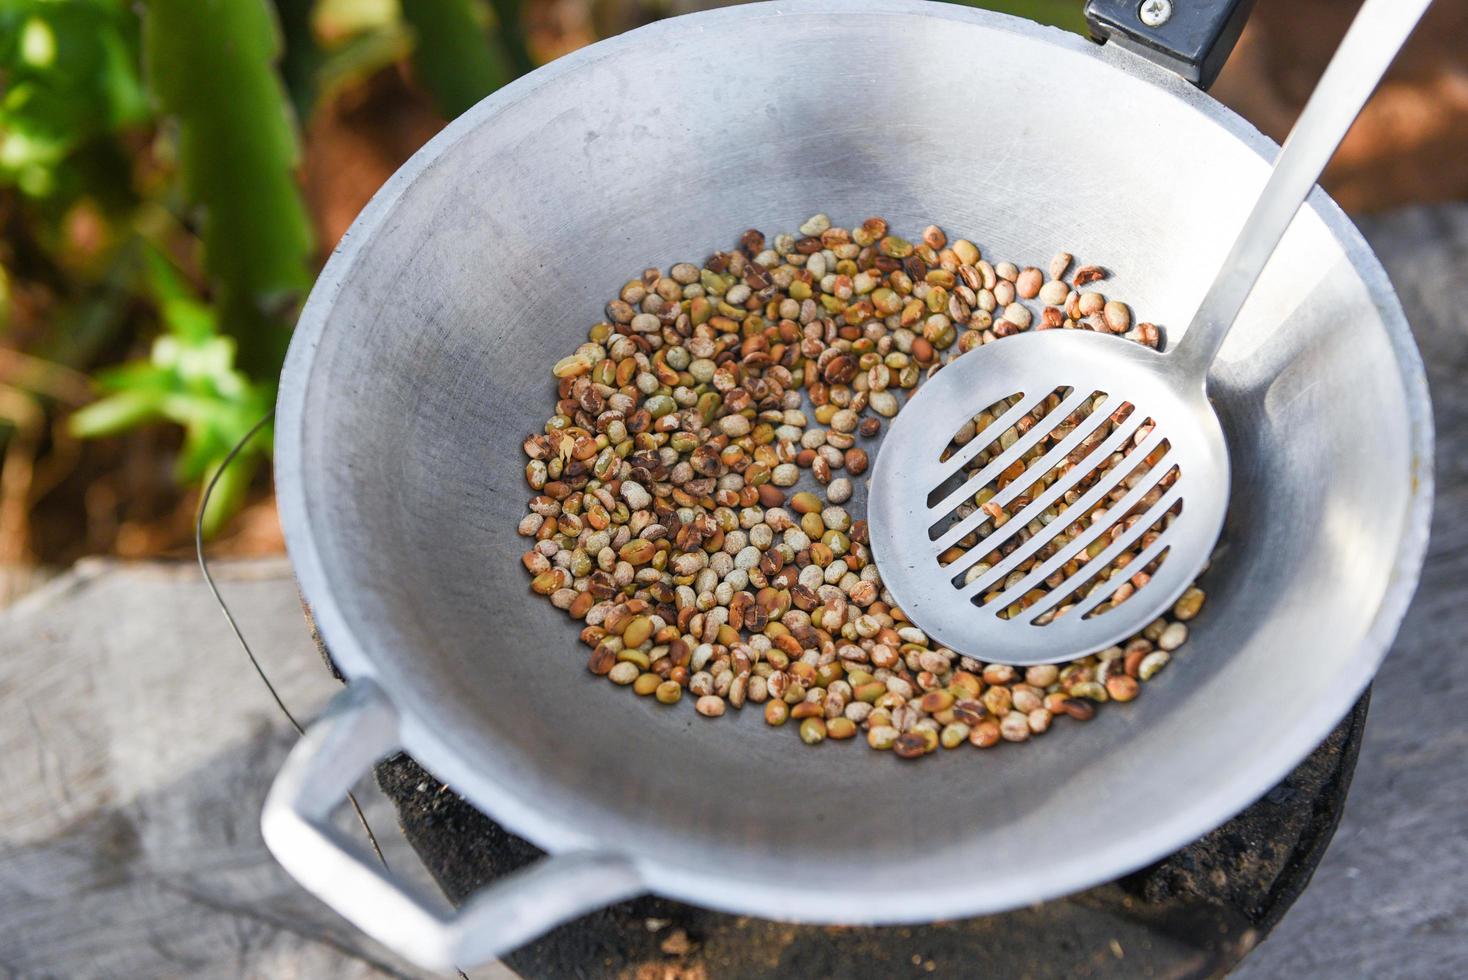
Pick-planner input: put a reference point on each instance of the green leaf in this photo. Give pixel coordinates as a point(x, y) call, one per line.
point(453, 58)
point(71, 77)
point(127, 101)
point(204, 367)
point(116, 414)
point(183, 314)
point(231, 491)
point(210, 64)
point(165, 279)
point(301, 59)
point(189, 379)
point(361, 56)
point(212, 426)
point(188, 319)
point(511, 32)
point(135, 375)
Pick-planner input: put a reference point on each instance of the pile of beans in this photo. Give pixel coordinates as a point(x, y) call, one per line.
point(690, 487)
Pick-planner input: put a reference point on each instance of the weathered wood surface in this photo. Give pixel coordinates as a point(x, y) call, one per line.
point(137, 747)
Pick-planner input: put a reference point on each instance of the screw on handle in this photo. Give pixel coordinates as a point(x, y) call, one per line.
point(1376, 35)
point(1192, 38)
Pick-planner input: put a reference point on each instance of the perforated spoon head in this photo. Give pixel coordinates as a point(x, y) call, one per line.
point(1002, 553)
point(1088, 496)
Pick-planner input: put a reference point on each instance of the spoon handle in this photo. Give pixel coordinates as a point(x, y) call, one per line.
point(1376, 35)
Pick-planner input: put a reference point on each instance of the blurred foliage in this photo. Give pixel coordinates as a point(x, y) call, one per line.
point(510, 32)
point(300, 62)
point(71, 81)
point(350, 41)
point(189, 379)
point(149, 157)
point(211, 67)
point(450, 57)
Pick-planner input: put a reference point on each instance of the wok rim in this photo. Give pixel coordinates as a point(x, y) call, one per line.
point(1114, 854)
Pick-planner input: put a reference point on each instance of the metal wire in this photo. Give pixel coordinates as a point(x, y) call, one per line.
point(235, 626)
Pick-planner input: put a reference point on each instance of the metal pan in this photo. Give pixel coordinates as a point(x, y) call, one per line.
point(420, 364)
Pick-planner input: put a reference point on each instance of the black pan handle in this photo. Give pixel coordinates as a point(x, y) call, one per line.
point(1190, 37)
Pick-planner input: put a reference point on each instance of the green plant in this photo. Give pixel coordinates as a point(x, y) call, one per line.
point(168, 131)
point(71, 82)
point(190, 379)
point(212, 70)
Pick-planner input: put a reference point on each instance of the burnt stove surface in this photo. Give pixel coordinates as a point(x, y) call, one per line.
point(1195, 913)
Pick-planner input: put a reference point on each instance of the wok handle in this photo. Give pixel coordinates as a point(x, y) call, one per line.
point(358, 728)
point(1192, 38)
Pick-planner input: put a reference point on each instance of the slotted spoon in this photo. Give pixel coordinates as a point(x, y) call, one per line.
point(957, 569)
